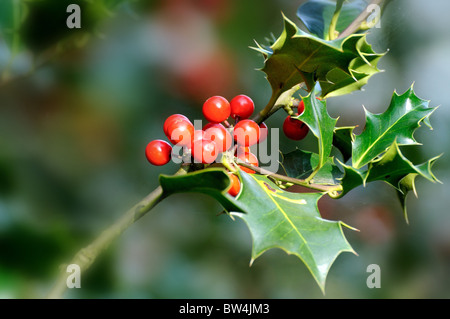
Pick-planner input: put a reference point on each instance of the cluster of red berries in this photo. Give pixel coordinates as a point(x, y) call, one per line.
point(206, 144)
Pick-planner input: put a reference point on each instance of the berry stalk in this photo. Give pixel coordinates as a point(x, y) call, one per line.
point(332, 190)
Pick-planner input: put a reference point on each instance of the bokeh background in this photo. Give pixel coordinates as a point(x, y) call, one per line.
point(77, 108)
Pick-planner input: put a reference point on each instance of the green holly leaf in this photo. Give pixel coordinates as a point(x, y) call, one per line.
point(213, 182)
point(291, 222)
point(300, 164)
point(276, 218)
point(395, 169)
point(342, 140)
point(393, 166)
point(340, 82)
point(316, 15)
point(321, 125)
point(397, 123)
point(340, 66)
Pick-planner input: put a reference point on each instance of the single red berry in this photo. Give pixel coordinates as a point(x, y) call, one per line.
point(204, 151)
point(295, 129)
point(220, 135)
point(263, 131)
point(173, 119)
point(158, 152)
point(241, 106)
point(235, 185)
point(300, 107)
point(181, 133)
point(249, 158)
point(246, 133)
point(216, 109)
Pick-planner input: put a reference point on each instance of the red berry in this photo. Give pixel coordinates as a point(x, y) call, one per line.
point(295, 129)
point(249, 158)
point(204, 151)
point(235, 185)
point(158, 152)
point(172, 119)
point(216, 109)
point(220, 135)
point(242, 106)
point(181, 133)
point(246, 133)
point(263, 131)
point(300, 107)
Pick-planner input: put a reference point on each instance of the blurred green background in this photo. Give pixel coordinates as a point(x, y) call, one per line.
point(78, 107)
